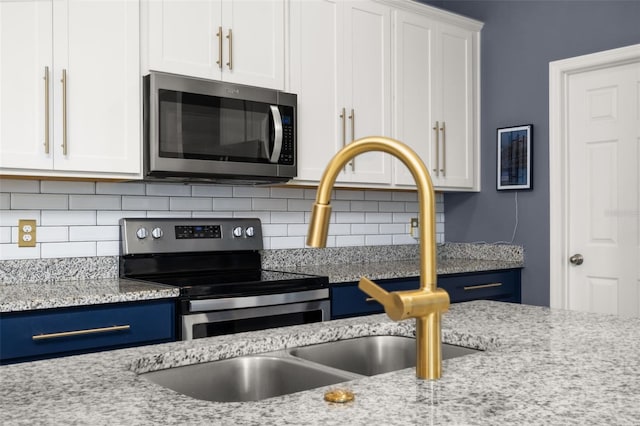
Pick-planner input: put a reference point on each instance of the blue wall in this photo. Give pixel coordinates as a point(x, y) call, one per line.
point(519, 40)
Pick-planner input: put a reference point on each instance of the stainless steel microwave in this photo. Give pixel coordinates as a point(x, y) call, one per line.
point(205, 130)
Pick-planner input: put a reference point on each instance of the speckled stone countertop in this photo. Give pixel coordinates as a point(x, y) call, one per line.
point(61, 294)
point(339, 273)
point(540, 366)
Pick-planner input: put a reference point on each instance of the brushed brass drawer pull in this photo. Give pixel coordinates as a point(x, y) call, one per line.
point(478, 287)
point(81, 332)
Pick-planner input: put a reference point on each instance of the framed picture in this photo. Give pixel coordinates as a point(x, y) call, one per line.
point(515, 157)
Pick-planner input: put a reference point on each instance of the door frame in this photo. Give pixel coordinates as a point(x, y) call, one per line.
point(559, 73)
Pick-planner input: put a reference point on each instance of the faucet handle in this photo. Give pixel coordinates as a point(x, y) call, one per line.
point(392, 303)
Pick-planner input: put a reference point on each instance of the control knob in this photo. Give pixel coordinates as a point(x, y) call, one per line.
point(237, 231)
point(157, 233)
point(250, 231)
point(142, 233)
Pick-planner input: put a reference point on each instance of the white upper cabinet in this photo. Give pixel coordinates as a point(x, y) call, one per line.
point(437, 98)
point(396, 68)
point(340, 70)
point(240, 41)
point(70, 83)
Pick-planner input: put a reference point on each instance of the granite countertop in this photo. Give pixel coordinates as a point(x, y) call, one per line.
point(61, 294)
point(540, 366)
point(349, 272)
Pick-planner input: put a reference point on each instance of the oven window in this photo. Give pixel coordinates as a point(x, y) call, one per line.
point(253, 324)
point(205, 127)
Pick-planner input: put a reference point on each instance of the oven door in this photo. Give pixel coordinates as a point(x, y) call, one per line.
point(214, 323)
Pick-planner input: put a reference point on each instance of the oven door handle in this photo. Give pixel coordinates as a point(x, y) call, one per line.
point(255, 301)
point(277, 134)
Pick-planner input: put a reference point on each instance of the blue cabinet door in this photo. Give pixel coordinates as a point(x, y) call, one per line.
point(54, 332)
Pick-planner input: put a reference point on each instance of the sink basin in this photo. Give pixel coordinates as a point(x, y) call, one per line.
point(246, 378)
point(371, 355)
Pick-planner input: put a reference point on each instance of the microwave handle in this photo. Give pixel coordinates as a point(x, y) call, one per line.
point(277, 139)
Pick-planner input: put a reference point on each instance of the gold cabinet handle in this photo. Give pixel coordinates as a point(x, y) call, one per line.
point(81, 332)
point(64, 111)
point(230, 38)
point(46, 110)
point(481, 286)
point(444, 149)
point(343, 117)
point(437, 130)
point(219, 35)
point(352, 117)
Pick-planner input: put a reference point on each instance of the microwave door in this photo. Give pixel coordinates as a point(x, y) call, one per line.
point(277, 135)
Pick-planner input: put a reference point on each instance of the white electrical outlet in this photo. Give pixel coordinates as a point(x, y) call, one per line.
point(415, 228)
point(26, 233)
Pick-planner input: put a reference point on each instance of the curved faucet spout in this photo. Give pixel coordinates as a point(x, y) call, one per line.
point(426, 303)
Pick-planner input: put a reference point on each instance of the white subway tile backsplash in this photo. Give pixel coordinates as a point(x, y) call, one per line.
point(5, 201)
point(21, 201)
point(287, 217)
point(12, 251)
point(77, 219)
point(73, 249)
point(364, 206)
point(349, 217)
point(190, 203)
point(118, 188)
point(272, 204)
point(68, 217)
point(212, 191)
point(365, 228)
point(107, 248)
point(111, 217)
point(94, 233)
point(287, 193)
point(11, 217)
point(67, 187)
point(250, 192)
point(19, 185)
point(231, 204)
point(168, 189)
point(50, 234)
point(391, 206)
point(145, 203)
point(95, 202)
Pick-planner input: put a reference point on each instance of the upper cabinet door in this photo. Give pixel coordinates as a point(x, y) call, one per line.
point(457, 93)
point(413, 100)
point(367, 78)
point(254, 45)
point(185, 37)
point(97, 54)
point(25, 84)
point(70, 81)
point(241, 41)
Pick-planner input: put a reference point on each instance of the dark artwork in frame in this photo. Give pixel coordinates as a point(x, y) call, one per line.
point(515, 162)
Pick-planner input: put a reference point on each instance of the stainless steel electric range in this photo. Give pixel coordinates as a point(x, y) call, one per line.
point(216, 263)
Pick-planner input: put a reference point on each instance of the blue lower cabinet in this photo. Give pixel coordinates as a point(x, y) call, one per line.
point(347, 300)
point(30, 335)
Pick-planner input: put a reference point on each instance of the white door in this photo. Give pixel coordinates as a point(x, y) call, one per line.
point(603, 128)
point(25, 82)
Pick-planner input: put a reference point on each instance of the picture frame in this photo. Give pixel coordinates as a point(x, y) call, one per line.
point(515, 158)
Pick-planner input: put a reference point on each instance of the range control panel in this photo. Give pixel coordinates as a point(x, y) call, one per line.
point(158, 235)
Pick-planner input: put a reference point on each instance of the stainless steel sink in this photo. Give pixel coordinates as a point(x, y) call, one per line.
point(246, 378)
point(257, 377)
point(371, 355)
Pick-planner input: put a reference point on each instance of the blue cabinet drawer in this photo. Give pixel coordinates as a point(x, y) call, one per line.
point(349, 300)
point(43, 334)
point(497, 285)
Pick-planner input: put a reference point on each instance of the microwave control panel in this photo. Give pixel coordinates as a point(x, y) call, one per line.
point(288, 137)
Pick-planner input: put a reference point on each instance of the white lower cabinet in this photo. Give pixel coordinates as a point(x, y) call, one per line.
point(386, 68)
point(70, 84)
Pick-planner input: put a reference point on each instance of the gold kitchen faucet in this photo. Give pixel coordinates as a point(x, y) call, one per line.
point(425, 304)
